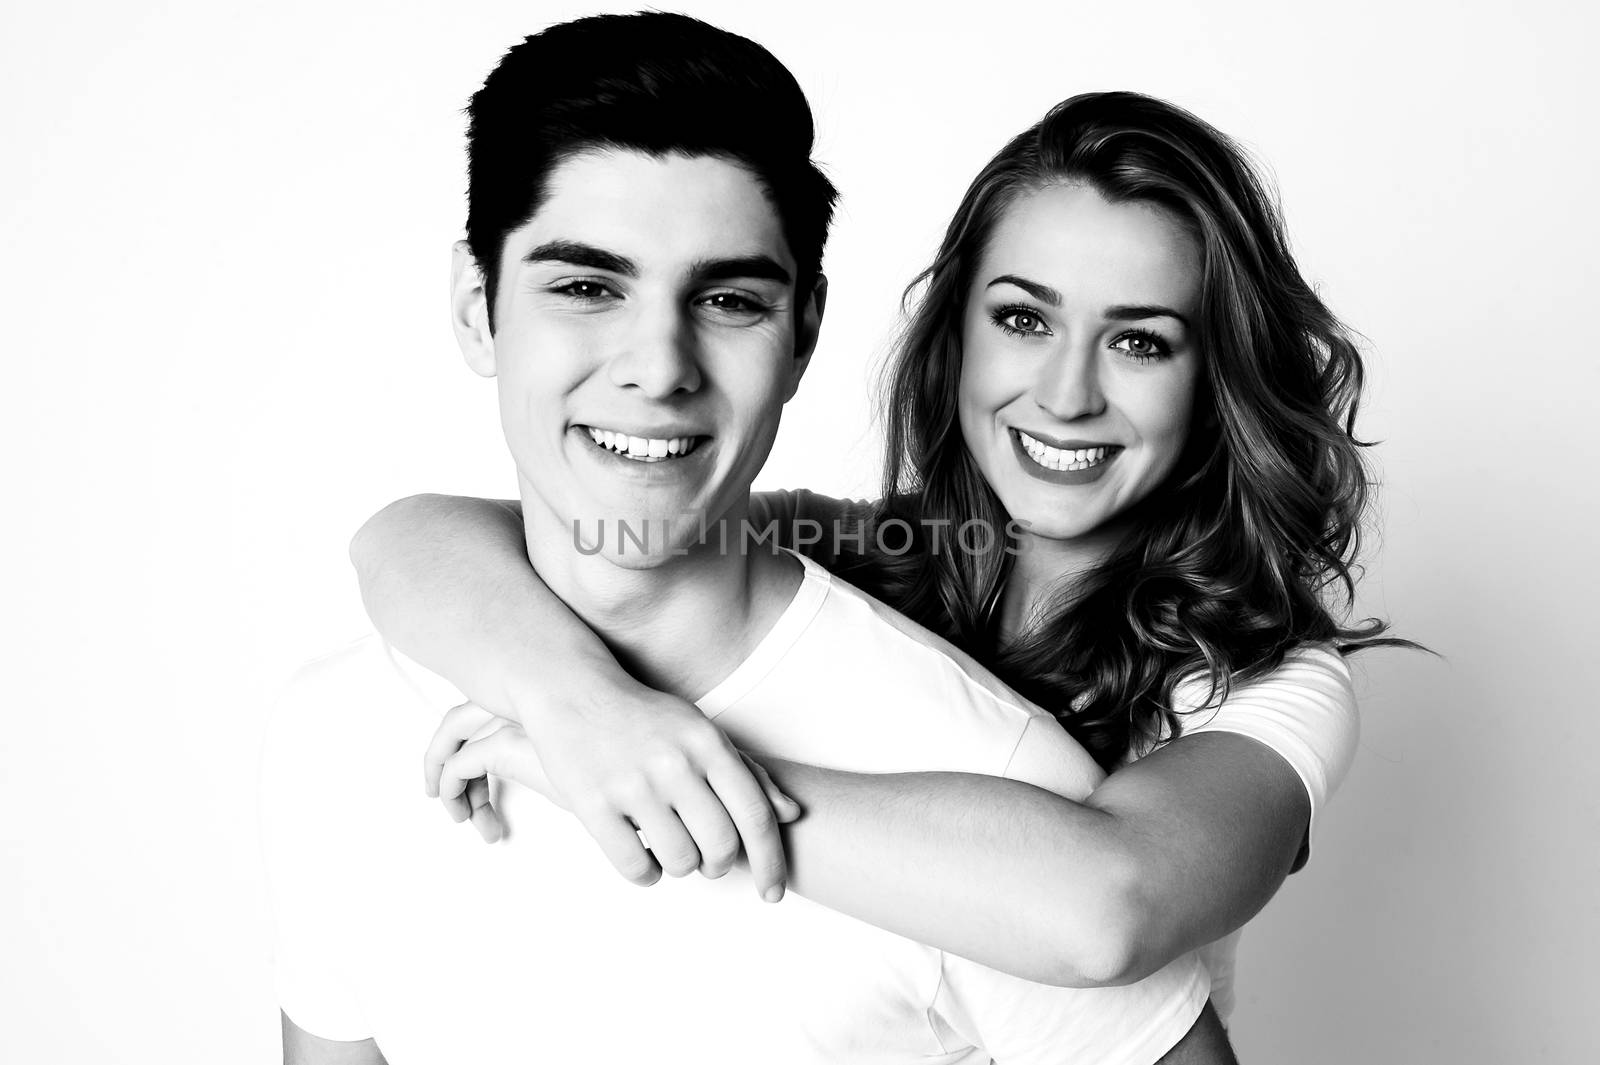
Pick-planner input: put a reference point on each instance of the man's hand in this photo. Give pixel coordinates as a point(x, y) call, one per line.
point(646, 765)
point(469, 744)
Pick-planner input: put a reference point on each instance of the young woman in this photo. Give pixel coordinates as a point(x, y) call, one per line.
point(1115, 360)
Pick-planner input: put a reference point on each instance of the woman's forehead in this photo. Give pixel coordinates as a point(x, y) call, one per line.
point(1071, 238)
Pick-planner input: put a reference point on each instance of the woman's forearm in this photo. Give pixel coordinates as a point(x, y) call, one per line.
point(998, 871)
point(449, 584)
point(1169, 853)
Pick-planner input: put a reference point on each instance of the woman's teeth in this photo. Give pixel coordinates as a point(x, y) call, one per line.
point(642, 448)
point(1054, 458)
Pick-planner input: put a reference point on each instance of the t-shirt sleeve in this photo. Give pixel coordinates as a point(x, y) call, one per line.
point(1047, 757)
point(310, 949)
point(1018, 1022)
point(820, 527)
point(1305, 710)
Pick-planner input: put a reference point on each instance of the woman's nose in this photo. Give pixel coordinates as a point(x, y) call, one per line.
point(1069, 385)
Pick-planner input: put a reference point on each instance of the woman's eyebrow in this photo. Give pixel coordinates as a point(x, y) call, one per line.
point(1135, 312)
point(1129, 312)
point(1035, 289)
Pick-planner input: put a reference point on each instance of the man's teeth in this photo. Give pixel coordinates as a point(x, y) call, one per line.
point(1054, 458)
point(643, 448)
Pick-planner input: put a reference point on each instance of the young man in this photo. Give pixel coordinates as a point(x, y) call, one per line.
point(642, 278)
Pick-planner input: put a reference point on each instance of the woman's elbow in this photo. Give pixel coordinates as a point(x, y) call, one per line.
point(1119, 937)
point(1107, 954)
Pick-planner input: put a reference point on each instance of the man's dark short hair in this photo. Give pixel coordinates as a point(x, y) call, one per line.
point(650, 82)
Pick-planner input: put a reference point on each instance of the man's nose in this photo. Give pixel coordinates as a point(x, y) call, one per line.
point(1069, 384)
point(658, 354)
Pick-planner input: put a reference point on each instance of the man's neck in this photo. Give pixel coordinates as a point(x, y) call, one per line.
point(681, 625)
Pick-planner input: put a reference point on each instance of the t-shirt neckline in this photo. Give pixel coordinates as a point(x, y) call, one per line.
point(776, 644)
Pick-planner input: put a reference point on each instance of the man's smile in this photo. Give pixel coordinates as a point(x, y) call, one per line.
point(642, 447)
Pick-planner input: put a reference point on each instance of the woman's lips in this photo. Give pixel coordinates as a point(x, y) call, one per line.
point(1063, 465)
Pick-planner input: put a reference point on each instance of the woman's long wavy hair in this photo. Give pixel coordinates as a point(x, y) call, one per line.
point(1248, 548)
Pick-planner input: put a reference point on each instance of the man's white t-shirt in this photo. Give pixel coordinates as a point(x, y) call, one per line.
point(396, 924)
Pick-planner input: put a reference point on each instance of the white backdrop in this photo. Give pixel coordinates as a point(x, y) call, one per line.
point(224, 236)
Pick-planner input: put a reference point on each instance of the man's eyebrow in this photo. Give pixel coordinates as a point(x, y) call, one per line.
point(1135, 312)
point(1032, 288)
point(573, 253)
point(753, 267)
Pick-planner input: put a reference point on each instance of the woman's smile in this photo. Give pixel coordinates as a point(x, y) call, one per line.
point(1070, 462)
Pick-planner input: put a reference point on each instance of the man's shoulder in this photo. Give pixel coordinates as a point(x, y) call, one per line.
point(344, 707)
point(341, 666)
point(889, 643)
point(358, 673)
point(339, 683)
point(844, 681)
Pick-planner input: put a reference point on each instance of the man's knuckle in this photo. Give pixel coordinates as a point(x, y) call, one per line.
point(679, 863)
point(707, 740)
point(669, 762)
point(637, 872)
point(722, 848)
point(757, 815)
point(590, 808)
point(629, 791)
point(635, 867)
point(714, 866)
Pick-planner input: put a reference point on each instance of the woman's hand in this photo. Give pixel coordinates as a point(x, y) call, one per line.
point(627, 763)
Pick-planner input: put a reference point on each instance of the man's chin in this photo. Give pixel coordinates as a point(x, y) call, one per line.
point(642, 562)
point(640, 543)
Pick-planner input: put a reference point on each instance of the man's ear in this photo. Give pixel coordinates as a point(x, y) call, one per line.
point(807, 329)
point(469, 311)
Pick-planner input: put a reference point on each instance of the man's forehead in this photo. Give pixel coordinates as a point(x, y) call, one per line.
point(658, 211)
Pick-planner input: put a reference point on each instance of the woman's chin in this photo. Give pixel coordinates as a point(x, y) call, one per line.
point(1096, 531)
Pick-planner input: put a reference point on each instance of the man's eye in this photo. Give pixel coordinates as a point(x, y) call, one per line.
point(582, 290)
point(733, 303)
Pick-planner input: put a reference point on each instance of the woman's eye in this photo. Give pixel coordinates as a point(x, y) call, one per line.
point(1142, 346)
point(1020, 320)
